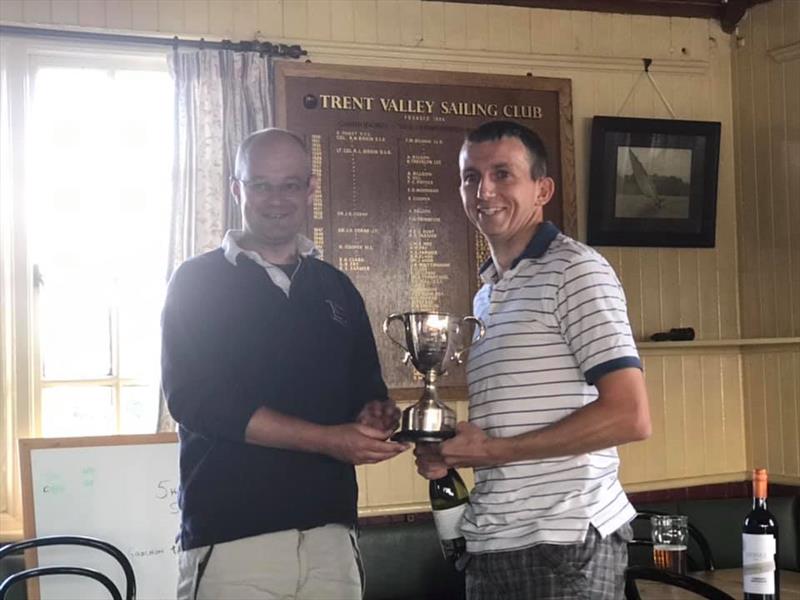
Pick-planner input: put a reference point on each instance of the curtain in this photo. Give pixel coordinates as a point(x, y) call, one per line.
point(220, 97)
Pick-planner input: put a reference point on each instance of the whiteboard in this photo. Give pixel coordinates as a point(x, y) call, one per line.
point(121, 489)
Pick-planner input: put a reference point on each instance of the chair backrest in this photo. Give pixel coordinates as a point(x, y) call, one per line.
point(75, 540)
point(56, 570)
point(701, 588)
point(694, 534)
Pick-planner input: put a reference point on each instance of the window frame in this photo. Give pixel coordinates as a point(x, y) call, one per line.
point(20, 361)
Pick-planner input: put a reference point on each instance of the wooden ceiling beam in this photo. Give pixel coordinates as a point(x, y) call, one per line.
point(727, 13)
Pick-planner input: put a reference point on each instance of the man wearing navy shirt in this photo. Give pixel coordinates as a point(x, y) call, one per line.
point(270, 368)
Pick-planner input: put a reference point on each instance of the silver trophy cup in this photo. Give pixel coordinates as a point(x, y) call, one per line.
point(431, 340)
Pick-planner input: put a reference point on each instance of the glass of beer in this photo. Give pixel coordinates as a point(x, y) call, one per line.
point(670, 535)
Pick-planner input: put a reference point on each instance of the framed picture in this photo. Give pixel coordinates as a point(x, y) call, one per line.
point(653, 182)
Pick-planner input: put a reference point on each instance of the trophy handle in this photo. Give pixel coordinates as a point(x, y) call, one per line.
point(386, 323)
point(458, 356)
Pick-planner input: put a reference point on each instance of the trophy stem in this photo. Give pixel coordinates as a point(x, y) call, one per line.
point(430, 395)
point(429, 420)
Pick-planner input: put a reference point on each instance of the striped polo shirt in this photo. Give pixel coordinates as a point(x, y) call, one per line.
point(556, 322)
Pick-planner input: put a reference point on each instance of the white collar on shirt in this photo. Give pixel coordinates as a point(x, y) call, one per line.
point(231, 248)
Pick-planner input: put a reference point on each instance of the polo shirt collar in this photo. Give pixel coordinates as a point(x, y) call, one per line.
point(232, 250)
point(544, 235)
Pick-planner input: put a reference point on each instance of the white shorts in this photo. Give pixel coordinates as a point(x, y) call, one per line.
point(316, 564)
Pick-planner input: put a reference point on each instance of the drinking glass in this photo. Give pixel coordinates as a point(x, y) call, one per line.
point(670, 534)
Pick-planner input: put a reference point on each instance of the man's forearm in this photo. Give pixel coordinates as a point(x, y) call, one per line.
point(618, 416)
point(354, 443)
point(273, 429)
point(590, 428)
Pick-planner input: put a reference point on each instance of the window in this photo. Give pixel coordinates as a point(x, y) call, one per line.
point(86, 140)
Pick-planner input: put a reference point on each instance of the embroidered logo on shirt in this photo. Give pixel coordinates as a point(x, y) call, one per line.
point(337, 313)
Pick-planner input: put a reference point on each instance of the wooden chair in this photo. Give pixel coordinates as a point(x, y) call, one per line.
point(75, 540)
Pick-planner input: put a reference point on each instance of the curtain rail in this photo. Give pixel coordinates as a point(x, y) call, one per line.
point(264, 48)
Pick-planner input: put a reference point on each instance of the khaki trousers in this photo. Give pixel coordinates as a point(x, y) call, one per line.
point(316, 564)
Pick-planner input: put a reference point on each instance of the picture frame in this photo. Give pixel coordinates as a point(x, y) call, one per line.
point(384, 144)
point(653, 182)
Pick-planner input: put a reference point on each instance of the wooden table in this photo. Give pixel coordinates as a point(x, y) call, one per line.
point(727, 580)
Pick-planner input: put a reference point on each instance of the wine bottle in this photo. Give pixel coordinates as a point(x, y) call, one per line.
point(760, 546)
point(449, 498)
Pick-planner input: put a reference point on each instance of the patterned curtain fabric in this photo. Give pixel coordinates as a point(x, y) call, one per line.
point(220, 97)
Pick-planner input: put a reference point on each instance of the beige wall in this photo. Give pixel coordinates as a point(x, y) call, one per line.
point(696, 389)
point(766, 93)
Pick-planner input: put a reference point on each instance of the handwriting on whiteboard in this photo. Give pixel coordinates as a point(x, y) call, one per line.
point(167, 490)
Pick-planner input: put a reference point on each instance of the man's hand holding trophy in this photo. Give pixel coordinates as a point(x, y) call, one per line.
point(432, 341)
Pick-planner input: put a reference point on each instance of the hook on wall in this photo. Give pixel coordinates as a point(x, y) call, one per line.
point(647, 62)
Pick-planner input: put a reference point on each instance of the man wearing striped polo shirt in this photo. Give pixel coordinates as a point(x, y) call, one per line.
point(554, 386)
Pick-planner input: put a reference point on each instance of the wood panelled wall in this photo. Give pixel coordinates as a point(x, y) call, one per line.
point(600, 52)
point(766, 94)
point(767, 102)
point(698, 422)
point(772, 411)
point(698, 407)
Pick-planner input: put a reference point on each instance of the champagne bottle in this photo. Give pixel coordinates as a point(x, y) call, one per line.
point(449, 498)
point(760, 546)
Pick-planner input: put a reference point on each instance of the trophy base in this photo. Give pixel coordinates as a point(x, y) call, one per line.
point(422, 436)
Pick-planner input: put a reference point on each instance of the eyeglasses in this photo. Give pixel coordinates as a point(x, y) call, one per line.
point(287, 189)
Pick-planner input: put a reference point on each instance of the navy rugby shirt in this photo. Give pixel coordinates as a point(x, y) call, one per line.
point(233, 341)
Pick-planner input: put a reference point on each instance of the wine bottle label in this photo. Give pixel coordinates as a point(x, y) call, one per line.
point(447, 522)
point(758, 563)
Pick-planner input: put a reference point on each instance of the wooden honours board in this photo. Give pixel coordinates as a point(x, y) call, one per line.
point(121, 489)
point(384, 145)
